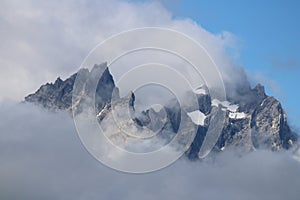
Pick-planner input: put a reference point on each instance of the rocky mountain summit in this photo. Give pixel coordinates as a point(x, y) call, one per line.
point(58, 95)
point(253, 120)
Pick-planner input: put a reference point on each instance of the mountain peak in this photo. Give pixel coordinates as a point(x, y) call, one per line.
point(260, 91)
point(58, 95)
point(253, 119)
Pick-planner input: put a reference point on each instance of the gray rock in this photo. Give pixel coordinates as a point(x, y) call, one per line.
point(58, 95)
point(269, 126)
point(258, 122)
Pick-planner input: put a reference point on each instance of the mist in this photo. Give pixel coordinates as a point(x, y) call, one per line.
point(43, 158)
point(44, 40)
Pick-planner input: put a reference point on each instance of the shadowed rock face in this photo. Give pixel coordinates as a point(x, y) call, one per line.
point(253, 119)
point(58, 95)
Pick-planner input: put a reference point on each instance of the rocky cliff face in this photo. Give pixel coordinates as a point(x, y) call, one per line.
point(58, 95)
point(253, 119)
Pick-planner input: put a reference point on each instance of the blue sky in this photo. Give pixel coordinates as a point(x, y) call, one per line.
point(268, 33)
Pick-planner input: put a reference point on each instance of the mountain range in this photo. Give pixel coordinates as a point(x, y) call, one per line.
point(253, 120)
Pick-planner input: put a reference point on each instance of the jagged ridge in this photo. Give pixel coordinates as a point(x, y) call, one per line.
point(253, 119)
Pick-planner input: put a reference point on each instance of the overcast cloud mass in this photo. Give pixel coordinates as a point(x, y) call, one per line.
point(43, 40)
point(41, 156)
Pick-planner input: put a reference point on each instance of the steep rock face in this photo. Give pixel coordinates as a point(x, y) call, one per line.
point(248, 99)
point(269, 126)
point(173, 111)
point(58, 95)
point(236, 134)
point(194, 149)
point(253, 119)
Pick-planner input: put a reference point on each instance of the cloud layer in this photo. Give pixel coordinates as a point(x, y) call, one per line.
point(43, 40)
point(42, 158)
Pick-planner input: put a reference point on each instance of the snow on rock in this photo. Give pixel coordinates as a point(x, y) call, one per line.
point(200, 90)
point(262, 103)
point(237, 115)
point(197, 117)
point(233, 107)
point(225, 104)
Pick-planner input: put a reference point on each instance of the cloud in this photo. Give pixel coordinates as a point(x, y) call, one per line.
point(41, 154)
point(42, 158)
point(273, 85)
point(43, 40)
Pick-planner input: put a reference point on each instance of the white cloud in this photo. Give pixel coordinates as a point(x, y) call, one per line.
point(43, 40)
point(42, 158)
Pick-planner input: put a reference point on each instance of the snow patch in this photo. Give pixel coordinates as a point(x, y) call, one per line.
point(262, 103)
point(233, 108)
point(197, 117)
point(237, 115)
point(200, 91)
point(226, 104)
